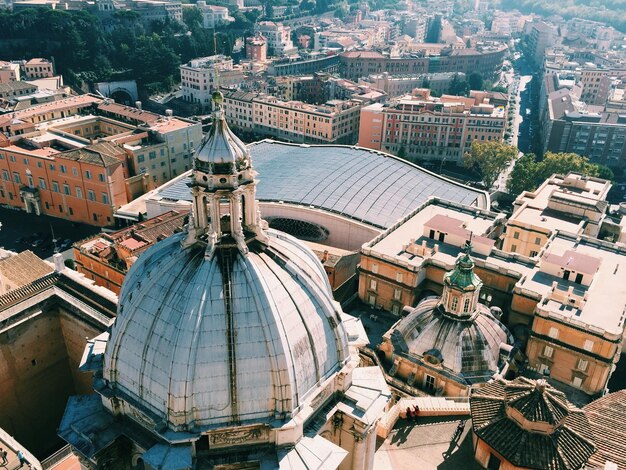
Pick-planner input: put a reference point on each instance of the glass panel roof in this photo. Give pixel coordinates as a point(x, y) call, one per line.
point(362, 184)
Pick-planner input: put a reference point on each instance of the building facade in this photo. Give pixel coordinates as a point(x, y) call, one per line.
point(421, 127)
point(294, 121)
point(201, 77)
point(278, 37)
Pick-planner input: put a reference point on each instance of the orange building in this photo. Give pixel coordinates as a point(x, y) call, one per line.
point(105, 258)
point(82, 185)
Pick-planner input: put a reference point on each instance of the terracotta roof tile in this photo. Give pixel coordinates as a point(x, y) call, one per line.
point(23, 268)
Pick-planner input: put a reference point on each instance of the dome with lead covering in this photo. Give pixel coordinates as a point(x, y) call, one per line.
point(226, 323)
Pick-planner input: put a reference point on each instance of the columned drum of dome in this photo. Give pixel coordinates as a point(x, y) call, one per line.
point(229, 322)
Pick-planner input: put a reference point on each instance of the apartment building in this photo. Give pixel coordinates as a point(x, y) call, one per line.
point(565, 306)
point(423, 127)
point(398, 85)
point(539, 36)
point(570, 203)
point(147, 145)
point(569, 125)
point(82, 185)
point(12, 90)
point(294, 121)
point(106, 257)
point(201, 77)
point(486, 61)
point(278, 37)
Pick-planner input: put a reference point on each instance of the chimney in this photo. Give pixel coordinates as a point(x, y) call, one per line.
point(138, 104)
point(169, 113)
point(59, 262)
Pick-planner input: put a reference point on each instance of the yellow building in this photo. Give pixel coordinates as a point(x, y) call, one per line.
point(571, 203)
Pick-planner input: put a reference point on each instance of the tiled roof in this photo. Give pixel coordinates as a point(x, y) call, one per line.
point(23, 268)
point(16, 86)
point(607, 416)
point(103, 154)
point(569, 446)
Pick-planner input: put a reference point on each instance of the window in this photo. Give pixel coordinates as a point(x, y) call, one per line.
point(537, 241)
point(91, 195)
point(588, 345)
point(95, 217)
point(66, 190)
point(371, 299)
point(582, 364)
point(548, 351)
point(516, 235)
point(395, 309)
point(152, 155)
point(579, 278)
point(533, 253)
point(553, 333)
point(5, 175)
point(105, 198)
point(79, 192)
point(75, 171)
point(71, 211)
point(429, 383)
point(63, 169)
point(140, 158)
point(42, 183)
point(55, 186)
point(466, 305)
point(88, 174)
point(373, 284)
point(397, 294)
point(101, 177)
point(577, 382)
point(375, 268)
point(455, 303)
point(399, 277)
point(16, 178)
point(513, 248)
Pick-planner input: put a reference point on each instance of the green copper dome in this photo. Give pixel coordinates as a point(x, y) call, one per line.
point(462, 277)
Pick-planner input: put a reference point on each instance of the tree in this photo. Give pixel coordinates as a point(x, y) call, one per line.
point(402, 152)
point(523, 175)
point(529, 173)
point(458, 86)
point(490, 158)
point(475, 81)
point(425, 83)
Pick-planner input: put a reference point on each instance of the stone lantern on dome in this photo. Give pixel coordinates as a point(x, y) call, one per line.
point(461, 287)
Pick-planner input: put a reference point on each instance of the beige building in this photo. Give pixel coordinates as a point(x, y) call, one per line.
point(38, 68)
point(9, 72)
point(566, 304)
point(336, 121)
point(202, 76)
point(571, 203)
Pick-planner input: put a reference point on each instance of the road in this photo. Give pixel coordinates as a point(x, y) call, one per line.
point(18, 225)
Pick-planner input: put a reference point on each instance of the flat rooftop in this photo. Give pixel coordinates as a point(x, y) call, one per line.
point(369, 186)
point(606, 296)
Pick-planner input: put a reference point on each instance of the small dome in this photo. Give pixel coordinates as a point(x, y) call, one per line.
point(462, 276)
point(469, 348)
point(237, 337)
point(221, 151)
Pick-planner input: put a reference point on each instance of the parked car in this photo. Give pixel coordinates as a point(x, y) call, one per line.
point(65, 244)
point(37, 242)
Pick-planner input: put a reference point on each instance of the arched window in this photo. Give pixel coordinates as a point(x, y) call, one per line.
point(466, 305)
point(455, 303)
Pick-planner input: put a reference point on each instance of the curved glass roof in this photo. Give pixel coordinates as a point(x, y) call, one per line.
point(366, 185)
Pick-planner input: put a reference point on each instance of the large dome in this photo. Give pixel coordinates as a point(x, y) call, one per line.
point(198, 353)
point(227, 323)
